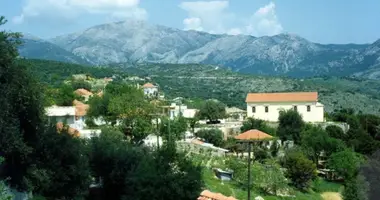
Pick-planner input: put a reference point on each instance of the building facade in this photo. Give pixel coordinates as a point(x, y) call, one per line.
point(267, 106)
point(150, 90)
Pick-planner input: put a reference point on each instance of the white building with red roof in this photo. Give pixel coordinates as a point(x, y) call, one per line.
point(150, 89)
point(267, 106)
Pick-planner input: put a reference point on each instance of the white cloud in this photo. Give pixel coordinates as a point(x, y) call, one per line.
point(214, 17)
point(73, 9)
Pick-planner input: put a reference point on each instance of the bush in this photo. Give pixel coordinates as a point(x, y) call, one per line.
point(300, 170)
point(213, 136)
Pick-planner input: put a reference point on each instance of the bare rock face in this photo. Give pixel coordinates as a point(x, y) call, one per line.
point(284, 54)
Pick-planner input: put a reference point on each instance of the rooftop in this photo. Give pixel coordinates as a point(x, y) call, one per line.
point(82, 92)
point(282, 97)
point(148, 85)
point(253, 134)
point(207, 195)
point(80, 108)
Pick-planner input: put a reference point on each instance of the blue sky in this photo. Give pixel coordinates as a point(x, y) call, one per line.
point(327, 21)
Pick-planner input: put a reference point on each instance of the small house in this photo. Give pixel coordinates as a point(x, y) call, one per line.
point(150, 90)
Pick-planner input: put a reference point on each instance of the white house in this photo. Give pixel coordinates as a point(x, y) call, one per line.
point(65, 114)
point(236, 113)
point(150, 89)
point(175, 111)
point(266, 106)
point(74, 116)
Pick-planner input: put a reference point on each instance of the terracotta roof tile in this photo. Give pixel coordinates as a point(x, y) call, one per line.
point(100, 94)
point(207, 195)
point(253, 134)
point(83, 92)
point(72, 131)
point(282, 97)
point(196, 141)
point(148, 85)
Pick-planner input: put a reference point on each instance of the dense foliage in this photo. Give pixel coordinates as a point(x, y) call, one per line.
point(251, 123)
point(212, 110)
point(213, 136)
point(290, 126)
point(300, 170)
point(130, 172)
point(48, 160)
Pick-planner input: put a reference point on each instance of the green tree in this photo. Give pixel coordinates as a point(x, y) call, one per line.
point(346, 163)
point(4, 194)
point(269, 177)
point(130, 172)
point(300, 170)
point(192, 123)
point(21, 113)
point(335, 132)
point(81, 84)
point(290, 126)
point(356, 189)
point(66, 175)
point(65, 95)
point(212, 110)
point(213, 136)
point(173, 129)
point(251, 123)
point(315, 141)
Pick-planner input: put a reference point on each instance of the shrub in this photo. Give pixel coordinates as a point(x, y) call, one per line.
point(300, 170)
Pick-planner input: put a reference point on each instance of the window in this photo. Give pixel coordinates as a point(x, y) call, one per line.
point(253, 109)
point(295, 108)
point(308, 108)
point(266, 109)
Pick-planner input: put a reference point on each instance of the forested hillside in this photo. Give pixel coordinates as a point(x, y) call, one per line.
point(205, 81)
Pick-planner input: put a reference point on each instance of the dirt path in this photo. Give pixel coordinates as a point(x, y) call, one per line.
point(331, 196)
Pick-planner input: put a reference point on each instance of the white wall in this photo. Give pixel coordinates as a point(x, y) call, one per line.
point(316, 113)
point(64, 119)
point(150, 91)
point(187, 113)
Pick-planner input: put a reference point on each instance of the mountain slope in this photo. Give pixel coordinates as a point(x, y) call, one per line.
point(284, 54)
point(37, 48)
point(206, 81)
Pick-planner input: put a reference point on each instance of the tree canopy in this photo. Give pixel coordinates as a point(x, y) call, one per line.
point(212, 110)
point(290, 126)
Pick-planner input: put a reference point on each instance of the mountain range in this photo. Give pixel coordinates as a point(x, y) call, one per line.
point(140, 42)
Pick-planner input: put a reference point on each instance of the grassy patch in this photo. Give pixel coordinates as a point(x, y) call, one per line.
point(231, 188)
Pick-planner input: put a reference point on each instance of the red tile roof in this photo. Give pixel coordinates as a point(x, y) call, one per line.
point(282, 97)
point(207, 195)
point(148, 85)
point(80, 108)
point(72, 131)
point(253, 134)
point(83, 92)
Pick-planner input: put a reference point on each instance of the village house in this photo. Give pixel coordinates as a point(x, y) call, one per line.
point(266, 106)
point(235, 114)
point(176, 110)
point(65, 114)
point(150, 89)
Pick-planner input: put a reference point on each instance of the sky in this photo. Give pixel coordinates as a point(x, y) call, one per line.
point(321, 21)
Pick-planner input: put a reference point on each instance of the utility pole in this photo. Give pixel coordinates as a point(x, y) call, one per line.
point(157, 134)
